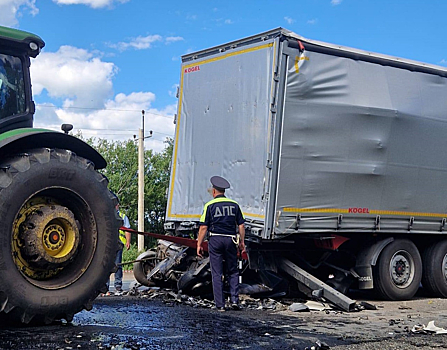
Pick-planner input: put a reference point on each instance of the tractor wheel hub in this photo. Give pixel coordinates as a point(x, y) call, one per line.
point(50, 236)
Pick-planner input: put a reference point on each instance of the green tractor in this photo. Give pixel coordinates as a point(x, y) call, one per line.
point(58, 223)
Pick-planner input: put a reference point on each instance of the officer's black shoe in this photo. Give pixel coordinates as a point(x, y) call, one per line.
point(221, 309)
point(235, 306)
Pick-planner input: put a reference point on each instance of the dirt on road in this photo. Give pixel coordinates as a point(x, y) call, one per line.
point(388, 327)
point(127, 322)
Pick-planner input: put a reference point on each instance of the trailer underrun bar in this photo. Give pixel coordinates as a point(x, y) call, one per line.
point(318, 288)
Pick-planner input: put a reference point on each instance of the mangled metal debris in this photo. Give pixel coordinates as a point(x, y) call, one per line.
point(171, 296)
point(367, 306)
point(317, 288)
point(429, 329)
point(298, 307)
point(318, 346)
point(174, 265)
point(310, 305)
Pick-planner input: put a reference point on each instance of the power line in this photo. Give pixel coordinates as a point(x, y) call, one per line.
point(104, 109)
point(100, 135)
point(116, 131)
point(120, 133)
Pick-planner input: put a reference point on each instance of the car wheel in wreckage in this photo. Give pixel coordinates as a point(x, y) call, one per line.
point(141, 268)
point(197, 279)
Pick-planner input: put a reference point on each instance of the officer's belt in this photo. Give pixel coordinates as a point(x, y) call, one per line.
point(235, 238)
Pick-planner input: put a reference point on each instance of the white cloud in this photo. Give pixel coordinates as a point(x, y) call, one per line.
point(73, 74)
point(144, 42)
point(46, 117)
point(336, 2)
point(173, 92)
point(11, 9)
point(173, 39)
point(289, 20)
point(443, 61)
point(228, 21)
point(92, 3)
point(119, 113)
point(82, 83)
point(312, 21)
point(139, 43)
point(120, 119)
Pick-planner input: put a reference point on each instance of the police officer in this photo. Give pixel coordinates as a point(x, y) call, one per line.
point(221, 216)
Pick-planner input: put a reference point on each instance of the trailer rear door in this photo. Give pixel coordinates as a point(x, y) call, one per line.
point(222, 129)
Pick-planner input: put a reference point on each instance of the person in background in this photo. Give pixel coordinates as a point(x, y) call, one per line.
point(124, 238)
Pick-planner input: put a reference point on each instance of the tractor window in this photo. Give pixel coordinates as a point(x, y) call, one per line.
point(12, 87)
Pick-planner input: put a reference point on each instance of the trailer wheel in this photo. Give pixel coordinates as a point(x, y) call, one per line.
point(142, 268)
point(434, 277)
point(398, 271)
point(58, 236)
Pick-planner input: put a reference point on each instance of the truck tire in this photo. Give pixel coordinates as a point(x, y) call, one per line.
point(434, 277)
point(58, 236)
point(142, 268)
point(398, 271)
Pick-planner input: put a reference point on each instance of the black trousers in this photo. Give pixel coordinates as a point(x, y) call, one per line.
point(222, 251)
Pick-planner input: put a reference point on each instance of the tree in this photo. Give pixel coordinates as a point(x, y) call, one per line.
point(157, 173)
point(122, 172)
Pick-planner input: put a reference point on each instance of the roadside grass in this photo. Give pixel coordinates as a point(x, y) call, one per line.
point(130, 255)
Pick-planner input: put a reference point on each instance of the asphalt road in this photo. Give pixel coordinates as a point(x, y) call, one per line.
point(129, 322)
point(128, 280)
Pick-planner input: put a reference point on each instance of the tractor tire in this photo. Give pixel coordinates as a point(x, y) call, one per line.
point(398, 271)
point(434, 277)
point(142, 268)
point(58, 236)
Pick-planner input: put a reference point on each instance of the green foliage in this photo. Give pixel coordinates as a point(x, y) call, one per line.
point(122, 172)
point(130, 255)
point(156, 184)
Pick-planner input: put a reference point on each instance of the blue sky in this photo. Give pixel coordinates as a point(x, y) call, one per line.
point(106, 60)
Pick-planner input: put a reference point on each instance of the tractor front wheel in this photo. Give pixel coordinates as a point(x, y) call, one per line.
point(58, 236)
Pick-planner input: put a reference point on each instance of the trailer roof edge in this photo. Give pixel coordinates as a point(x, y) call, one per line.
point(325, 47)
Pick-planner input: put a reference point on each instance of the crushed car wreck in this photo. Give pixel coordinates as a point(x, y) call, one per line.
point(176, 266)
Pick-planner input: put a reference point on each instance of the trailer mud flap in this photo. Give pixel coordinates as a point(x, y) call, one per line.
point(313, 284)
point(368, 258)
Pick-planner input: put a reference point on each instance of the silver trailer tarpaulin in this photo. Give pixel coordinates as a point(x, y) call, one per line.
point(312, 137)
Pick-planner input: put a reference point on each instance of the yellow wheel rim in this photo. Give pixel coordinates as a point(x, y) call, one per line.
point(45, 238)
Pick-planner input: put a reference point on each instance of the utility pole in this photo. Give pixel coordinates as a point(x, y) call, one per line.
point(141, 182)
point(141, 185)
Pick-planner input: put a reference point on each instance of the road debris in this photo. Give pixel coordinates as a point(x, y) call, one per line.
point(172, 296)
point(298, 307)
point(318, 346)
point(367, 306)
point(429, 329)
point(310, 305)
point(392, 322)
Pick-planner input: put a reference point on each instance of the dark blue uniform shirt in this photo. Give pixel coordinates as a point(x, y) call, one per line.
point(222, 215)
